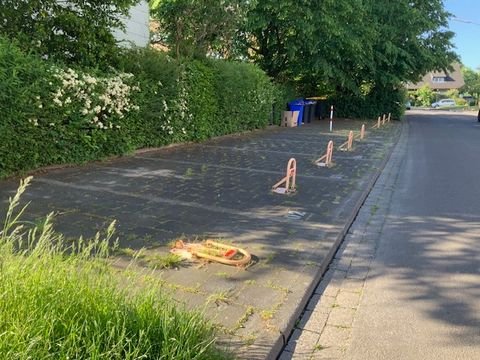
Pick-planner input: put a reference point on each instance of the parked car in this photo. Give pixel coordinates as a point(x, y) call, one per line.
point(443, 103)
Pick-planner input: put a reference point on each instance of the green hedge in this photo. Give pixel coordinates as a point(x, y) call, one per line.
point(377, 102)
point(52, 114)
point(200, 99)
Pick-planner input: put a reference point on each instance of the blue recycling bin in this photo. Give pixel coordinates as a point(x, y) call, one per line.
point(297, 105)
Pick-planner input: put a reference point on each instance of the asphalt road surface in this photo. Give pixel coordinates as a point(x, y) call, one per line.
point(422, 296)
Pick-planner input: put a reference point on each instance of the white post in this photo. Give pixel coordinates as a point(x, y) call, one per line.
point(331, 118)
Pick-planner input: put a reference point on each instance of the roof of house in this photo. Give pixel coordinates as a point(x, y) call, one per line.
point(441, 80)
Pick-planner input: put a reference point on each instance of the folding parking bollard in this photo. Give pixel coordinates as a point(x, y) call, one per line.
point(347, 145)
point(326, 160)
point(288, 180)
point(384, 119)
point(212, 251)
point(361, 136)
point(378, 124)
point(389, 117)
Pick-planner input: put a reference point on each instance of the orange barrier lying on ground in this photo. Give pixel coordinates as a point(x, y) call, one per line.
point(347, 145)
point(288, 180)
point(326, 160)
point(213, 251)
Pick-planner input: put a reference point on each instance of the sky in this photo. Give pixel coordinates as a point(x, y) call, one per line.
point(465, 22)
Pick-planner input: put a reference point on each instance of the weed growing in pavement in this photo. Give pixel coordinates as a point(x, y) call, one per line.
point(248, 313)
point(249, 340)
point(267, 314)
point(61, 302)
point(222, 274)
point(127, 252)
point(219, 297)
point(155, 261)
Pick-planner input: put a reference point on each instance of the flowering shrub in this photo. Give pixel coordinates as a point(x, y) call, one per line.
point(53, 114)
point(99, 100)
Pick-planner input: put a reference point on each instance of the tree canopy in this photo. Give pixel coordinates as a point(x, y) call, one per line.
point(472, 81)
point(195, 28)
point(74, 31)
point(322, 46)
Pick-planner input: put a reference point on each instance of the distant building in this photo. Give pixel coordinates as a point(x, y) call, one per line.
point(441, 81)
point(137, 30)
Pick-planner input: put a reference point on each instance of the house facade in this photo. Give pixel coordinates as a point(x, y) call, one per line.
point(441, 81)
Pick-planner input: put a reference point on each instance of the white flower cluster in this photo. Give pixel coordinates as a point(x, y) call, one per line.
point(33, 121)
point(182, 104)
point(175, 111)
point(167, 127)
point(100, 99)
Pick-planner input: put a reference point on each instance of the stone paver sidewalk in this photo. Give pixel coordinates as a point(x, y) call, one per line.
point(324, 329)
point(221, 189)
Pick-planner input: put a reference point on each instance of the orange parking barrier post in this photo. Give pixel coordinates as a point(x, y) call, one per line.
point(288, 180)
point(347, 145)
point(361, 136)
point(378, 124)
point(326, 160)
point(384, 120)
point(389, 117)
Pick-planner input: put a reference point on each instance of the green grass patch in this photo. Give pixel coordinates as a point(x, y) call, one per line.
point(67, 302)
point(219, 297)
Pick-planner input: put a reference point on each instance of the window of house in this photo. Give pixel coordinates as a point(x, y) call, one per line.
point(438, 79)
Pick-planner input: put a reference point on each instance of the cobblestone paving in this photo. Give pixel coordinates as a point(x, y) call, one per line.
point(324, 329)
point(221, 189)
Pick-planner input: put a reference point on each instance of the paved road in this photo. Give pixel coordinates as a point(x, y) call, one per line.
point(406, 283)
point(422, 301)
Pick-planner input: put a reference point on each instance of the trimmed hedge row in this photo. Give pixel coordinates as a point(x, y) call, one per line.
point(377, 102)
point(52, 114)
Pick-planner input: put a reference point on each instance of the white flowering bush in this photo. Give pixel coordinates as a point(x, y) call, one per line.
point(97, 102)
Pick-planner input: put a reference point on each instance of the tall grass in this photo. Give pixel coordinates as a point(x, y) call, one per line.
point(66, 302)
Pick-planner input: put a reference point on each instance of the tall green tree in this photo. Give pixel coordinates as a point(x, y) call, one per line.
point(195, 28)
point(310, 41)
point(350, 49)
point(472, 81)
point(412, 39)
point(74, 31)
